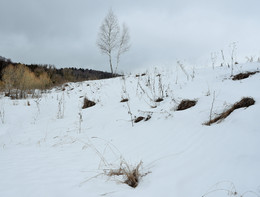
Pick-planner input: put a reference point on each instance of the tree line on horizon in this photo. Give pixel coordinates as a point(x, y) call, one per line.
point(17, 80)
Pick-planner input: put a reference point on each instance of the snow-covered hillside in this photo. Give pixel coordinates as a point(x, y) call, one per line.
point(52, 147)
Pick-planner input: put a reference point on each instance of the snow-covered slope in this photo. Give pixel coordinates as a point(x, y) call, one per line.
point(52, 147)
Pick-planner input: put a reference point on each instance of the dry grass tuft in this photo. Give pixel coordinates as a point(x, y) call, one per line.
point(241, 76)
point(131, 175)
point(244, 102)
point(186, 104)
point(87, 103)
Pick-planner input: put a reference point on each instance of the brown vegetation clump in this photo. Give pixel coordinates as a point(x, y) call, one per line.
point(131, 175)
point(159, 100)
point(244, 102)
point(138, 119)
point(241, 76)
point(186, 104)
point(124, 100)
point(87, 103)
point(138, 75)
point(148, 118)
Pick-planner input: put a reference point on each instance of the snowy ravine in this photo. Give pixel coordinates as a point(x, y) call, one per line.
point(51, 147)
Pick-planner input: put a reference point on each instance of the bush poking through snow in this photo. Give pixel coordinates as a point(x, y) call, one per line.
point(138, 119)
point(87, 103)
point(124, 100)
point(186, 104)
point(241, 76)
point(148, 118)
point(158, 100)
point(244, 102)
point(131, 175)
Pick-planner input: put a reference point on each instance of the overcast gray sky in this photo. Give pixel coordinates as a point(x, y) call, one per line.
point(64, 32)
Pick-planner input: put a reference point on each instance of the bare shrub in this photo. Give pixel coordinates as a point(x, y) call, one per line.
point(244, 102)
point(131, 175)
point(61, 107)
point(125, 99)
point(123, 173)
point(183, 69)
point(214, 57)
point(87, 103)
point(186, 104)
point(152, 87)
point(233, 48)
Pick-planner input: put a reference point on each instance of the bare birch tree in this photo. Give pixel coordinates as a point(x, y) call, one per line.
point(110, 39)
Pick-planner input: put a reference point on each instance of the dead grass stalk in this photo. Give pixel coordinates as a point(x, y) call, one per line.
point(244, 102)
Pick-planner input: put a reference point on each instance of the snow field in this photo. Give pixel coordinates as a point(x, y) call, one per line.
point(46, 149)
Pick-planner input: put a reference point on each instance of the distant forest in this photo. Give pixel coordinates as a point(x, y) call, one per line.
point(18, 79)
point(58, 75)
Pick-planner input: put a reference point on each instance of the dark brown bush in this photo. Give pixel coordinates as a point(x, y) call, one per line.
point(148, 118)
point(124, 100)
point(241, 76)
point(186, 104)
point(138, 119)
point(87, 103)
point(159, 100)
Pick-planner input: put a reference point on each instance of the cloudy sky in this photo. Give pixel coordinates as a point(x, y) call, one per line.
point(64, 32)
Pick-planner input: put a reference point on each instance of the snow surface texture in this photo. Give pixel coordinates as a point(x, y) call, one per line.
point(53, 147)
